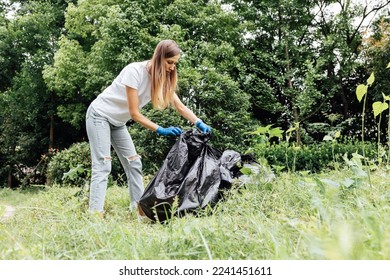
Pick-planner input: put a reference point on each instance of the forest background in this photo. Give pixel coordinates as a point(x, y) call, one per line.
point(292, 64)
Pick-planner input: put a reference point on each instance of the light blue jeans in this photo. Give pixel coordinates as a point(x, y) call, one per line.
point(102, 135)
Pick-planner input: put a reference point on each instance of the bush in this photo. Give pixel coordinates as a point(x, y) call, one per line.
point(313, 157)
point(72, 166)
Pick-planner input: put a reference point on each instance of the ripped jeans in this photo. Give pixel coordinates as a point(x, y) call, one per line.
point(102, 135)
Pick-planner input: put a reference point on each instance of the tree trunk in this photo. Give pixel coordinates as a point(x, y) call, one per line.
point(298, 137)
point(343, 101)
point(290, 87)
point(9, 180)
point(51, 135)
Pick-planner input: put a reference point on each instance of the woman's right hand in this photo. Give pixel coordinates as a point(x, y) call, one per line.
point(170, 131)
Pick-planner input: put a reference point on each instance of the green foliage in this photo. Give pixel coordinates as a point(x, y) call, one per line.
point(387, 98)
point(27, 116)
point(280, 72)
point(65, 77)
point(361, 91)
point(376, 51)
point(273, 61)
point(98, 45)
point(314, 157)
point(300, 216)
point(72, 167)
point(378, 107)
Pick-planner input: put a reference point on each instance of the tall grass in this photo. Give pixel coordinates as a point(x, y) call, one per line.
point(296, 216)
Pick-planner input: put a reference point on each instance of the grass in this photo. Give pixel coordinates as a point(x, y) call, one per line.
point(297, 216)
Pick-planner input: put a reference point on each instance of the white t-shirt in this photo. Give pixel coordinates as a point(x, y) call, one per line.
point(112, 102)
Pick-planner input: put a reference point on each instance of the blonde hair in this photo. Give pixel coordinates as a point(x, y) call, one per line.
point(163, 83)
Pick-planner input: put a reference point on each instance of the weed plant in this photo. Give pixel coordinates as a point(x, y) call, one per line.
point(303, 216)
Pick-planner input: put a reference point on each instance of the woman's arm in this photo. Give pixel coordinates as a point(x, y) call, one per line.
point(189, 115)
point(183, 110)
point(133, 103)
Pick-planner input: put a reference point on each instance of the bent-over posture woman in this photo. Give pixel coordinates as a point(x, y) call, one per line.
point(138, 83)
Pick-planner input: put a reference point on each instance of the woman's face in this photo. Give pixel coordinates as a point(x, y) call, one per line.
point(170, 63)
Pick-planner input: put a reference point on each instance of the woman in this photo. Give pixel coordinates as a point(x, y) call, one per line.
point(138, 83)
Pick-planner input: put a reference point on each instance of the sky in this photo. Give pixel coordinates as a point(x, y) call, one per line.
point(335, 8)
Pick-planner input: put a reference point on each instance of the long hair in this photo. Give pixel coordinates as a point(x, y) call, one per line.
point(163, 83)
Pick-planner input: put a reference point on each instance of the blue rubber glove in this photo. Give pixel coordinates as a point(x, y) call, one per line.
point(202, 126)
point(170, 131)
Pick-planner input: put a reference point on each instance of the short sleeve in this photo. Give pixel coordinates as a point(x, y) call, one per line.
point(130, 76)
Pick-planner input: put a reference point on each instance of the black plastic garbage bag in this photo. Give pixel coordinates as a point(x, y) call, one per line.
point(193, 174)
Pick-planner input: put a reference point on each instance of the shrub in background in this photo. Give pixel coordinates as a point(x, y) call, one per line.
point(314, 157)
point(72, 166)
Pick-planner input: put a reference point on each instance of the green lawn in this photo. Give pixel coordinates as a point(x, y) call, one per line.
point(334, 215)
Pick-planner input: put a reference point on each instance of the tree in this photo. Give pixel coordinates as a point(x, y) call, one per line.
point(302, 57)
point(376, 50)
point(103, 36)
point(281, 70)
point(343, 35)
point(28, 107)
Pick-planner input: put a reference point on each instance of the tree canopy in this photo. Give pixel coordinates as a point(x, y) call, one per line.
point(245, 63)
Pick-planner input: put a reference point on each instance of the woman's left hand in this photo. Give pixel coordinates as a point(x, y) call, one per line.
point(202, 126)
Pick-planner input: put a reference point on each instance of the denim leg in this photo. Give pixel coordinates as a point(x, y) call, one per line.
point(98, 131)
point(131, 162)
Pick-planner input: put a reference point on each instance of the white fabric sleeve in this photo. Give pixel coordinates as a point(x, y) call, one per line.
point(131, 77)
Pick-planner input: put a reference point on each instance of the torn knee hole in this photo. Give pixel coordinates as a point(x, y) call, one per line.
point(106, 159)
point(132, 158)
